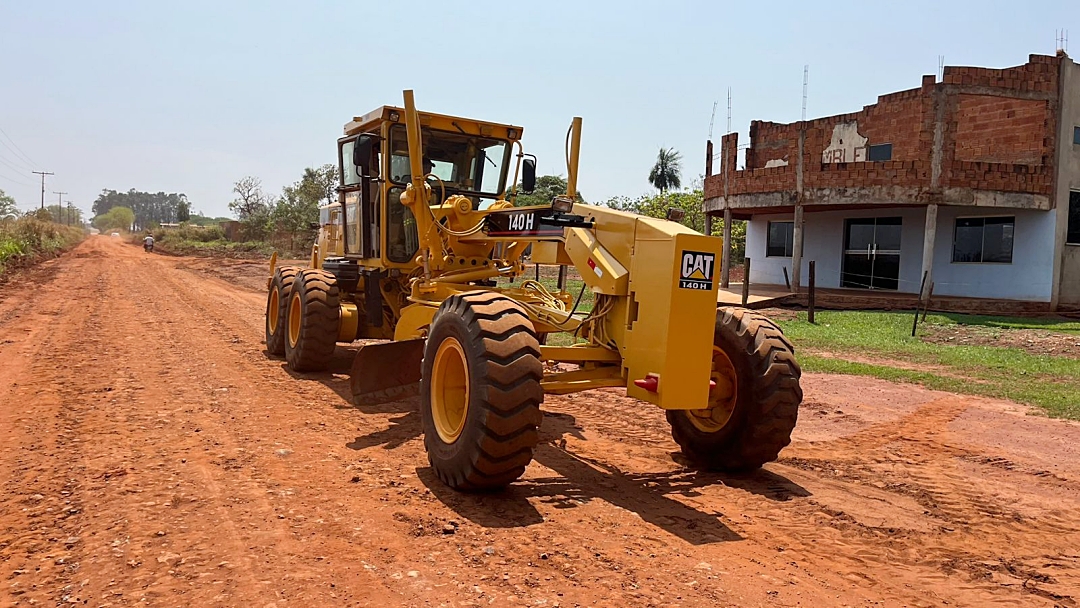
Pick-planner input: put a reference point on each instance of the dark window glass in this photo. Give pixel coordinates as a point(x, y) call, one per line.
point(780, 239)
point(979, 239)
point(1076, 135)
point(1073, 237)
point(879, 152)
point(998, 240)
point(860, 234)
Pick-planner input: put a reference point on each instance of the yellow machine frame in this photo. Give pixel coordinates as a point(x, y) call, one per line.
point(653, 280)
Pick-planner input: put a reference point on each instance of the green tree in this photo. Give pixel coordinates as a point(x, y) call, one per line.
point(252, 207)
point(117, 218)
point(67, 214)
point(8, 208)
point(183, 211)
point(298, 206)
point(547, 188)
point(666, 174)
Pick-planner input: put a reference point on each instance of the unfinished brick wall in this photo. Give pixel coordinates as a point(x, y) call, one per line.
point(1001, 129)
point(996, 135)
point(751, 180)
point(1039, 74)
point(770, 141)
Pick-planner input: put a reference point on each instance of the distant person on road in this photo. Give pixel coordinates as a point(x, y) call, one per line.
point(148, 243)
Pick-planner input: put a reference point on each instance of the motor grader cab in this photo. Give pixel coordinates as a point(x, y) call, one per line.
point(410, 260)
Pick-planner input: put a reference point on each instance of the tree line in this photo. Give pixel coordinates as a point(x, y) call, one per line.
point(147, 209)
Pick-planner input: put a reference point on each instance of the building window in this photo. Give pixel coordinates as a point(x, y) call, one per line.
point(983, 239)
point(879, 152)
point(1076, 135)
point(1073, 236)
point(780, 240)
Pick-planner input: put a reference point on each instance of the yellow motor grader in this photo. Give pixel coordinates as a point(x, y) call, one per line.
point(423, 258)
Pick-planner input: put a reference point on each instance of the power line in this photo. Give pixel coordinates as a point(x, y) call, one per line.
point(15, 181)
point(43, 174)
point(14, 167)
point(20, 152)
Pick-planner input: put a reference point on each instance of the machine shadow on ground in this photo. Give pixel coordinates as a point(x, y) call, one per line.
point(580, 480)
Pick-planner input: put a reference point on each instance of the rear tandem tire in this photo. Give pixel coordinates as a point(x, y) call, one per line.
point(312, 321)
point(480, 391)
point(766, 402)
point(277, 305)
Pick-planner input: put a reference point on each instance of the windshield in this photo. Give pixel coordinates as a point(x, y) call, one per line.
point(467, 164)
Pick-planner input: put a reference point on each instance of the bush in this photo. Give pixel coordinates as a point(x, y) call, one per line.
point(29, 236)
point(187, 232)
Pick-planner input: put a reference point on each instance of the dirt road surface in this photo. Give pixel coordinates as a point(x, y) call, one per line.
point(152, 454)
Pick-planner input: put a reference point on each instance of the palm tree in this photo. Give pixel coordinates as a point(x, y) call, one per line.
point(666, 173)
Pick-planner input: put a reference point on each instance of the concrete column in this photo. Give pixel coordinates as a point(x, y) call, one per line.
point(725, 260)
point(796, 250)
point(708, 224)
point(929, 236)
point(797, 238)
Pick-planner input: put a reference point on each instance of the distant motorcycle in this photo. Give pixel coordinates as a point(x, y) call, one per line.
point(148, 247)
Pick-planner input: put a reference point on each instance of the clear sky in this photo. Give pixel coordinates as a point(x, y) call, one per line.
point(191, 96)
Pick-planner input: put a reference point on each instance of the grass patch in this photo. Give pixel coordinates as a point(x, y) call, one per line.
point(1048, 382)
point(222, 248)
point(27, 239)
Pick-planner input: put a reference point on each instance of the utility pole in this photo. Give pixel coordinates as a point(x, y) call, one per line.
point(60, 204)
point(43, 174)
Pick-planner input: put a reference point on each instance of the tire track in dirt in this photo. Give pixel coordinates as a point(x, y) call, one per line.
point(917, 456)
point(151, 404)
point(609, 433)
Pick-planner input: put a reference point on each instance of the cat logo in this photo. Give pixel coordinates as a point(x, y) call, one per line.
point(696, 271)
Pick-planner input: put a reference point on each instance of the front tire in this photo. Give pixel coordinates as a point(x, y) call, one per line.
point(312, 321)
point(277, 305)
point(480, 391)
point(755, 404)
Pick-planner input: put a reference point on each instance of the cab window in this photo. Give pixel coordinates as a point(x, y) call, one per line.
point(470, 165)
point(349, 176)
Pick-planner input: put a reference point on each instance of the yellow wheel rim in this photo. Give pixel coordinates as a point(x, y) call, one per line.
point(449, 390)
point(294, 320)
point(273, 310)
point(722, 397)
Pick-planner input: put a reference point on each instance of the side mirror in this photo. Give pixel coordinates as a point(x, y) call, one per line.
point(361, 154)
point(313, 225)
point(528, 175)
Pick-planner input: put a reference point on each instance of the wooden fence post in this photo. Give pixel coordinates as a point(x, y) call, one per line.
point(746, 281)
point(918, 303)
point(810, 295)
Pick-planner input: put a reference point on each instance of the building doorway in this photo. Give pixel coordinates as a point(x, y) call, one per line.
point(871, 253)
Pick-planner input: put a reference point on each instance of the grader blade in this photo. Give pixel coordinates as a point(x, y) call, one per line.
point(386, 371)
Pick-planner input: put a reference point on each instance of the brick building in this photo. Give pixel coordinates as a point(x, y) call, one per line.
point(973, 182)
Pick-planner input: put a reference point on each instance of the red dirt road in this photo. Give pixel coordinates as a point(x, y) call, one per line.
point(151, 454)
